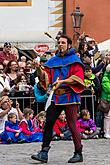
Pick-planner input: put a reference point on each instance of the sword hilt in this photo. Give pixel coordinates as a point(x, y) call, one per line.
point(54, 87)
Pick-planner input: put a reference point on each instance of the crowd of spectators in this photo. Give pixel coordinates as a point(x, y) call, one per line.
point(19, 79)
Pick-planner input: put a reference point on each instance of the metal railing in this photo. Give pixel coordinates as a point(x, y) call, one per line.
point(30, 101)
point(23, 100)
point(93, 98)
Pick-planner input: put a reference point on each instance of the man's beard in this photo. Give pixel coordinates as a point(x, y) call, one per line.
point(62, 51)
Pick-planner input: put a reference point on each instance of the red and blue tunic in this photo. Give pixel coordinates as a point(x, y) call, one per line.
point(64, 67)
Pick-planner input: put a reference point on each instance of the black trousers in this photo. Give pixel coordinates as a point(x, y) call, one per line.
point(53, 113)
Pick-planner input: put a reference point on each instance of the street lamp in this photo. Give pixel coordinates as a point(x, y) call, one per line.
point(77, 20)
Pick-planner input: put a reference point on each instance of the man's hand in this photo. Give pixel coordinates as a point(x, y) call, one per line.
point(57, 83)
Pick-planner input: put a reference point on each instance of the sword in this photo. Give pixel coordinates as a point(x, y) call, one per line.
point(48, 103)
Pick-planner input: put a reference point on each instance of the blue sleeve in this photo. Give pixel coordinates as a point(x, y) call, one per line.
point(38, 96)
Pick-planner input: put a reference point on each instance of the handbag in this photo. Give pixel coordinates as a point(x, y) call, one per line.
point(103, 106)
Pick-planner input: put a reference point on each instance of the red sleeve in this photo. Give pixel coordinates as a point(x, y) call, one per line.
point(76, 71)
point(24, 127)
point(2, 58)
point(56, 128)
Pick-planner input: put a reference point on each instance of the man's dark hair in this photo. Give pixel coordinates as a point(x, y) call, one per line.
point(69, 41)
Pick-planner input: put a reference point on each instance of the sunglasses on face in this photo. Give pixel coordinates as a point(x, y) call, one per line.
point(8, 46)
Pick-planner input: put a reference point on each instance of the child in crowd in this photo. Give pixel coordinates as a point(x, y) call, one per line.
point(13, 133)
point(27, 126)
point(92, 89)
point(91, 80)
point(60, 129)
point(22, 62)
point(86, 125)
point(39, 121)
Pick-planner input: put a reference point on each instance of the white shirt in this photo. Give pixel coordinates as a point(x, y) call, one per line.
point(4, 83)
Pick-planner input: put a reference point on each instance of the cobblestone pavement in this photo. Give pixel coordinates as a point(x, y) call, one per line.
point(95, 151)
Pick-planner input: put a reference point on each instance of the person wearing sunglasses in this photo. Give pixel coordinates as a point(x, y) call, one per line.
point(6, 54)
point(65, 72)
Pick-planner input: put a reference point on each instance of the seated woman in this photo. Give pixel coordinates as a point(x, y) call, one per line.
point(22, 85)
point(22, 89)
point(11, 71)
point(87, 126)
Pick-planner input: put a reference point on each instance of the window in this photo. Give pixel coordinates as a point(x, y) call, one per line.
point(15, 2)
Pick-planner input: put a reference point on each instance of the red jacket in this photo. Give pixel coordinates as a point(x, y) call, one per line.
point(24, 126)
point(58, 125)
